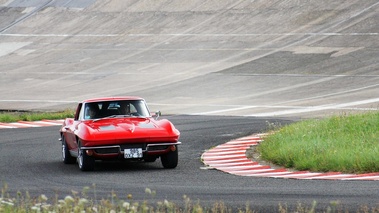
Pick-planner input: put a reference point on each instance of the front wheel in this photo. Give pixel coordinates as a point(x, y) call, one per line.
point(150, 159)
point(170, 160)
point(85, 162)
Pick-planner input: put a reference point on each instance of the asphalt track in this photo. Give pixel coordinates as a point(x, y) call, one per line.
point(221, 69)
point(31, 163)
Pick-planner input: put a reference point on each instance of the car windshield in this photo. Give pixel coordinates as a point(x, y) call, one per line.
point(116, 108)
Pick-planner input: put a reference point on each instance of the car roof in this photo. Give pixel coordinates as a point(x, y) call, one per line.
point(118, 98)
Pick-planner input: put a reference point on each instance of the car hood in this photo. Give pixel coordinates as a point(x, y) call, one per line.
point(145, 129)
point(128, 125)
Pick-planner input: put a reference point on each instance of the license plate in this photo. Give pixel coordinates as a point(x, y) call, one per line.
point(133, 153)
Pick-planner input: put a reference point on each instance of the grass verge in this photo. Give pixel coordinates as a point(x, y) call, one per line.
point(344, 143)
point(14, 116)
point(86, 201)
point(82, 202)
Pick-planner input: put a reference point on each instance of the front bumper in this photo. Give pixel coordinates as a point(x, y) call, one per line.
point(117, 151)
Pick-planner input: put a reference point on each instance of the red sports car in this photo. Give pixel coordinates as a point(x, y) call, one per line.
point(118, 128)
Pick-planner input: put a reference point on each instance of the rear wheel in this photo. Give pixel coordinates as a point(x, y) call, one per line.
point(66, 156)
point(85, 162)
point(170, 160)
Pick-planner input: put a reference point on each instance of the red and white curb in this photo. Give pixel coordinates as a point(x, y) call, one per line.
point(27, 124)
point(231, 158)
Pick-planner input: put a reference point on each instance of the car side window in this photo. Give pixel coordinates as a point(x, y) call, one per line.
point(91, 111)
point(79, 112)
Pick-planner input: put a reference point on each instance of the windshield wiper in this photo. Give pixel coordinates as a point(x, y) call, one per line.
point(98, 119)
point(120, 116)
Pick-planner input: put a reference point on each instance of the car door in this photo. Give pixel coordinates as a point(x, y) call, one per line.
point(71, 129)
point(70, 136)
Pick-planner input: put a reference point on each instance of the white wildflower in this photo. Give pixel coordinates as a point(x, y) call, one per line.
point(148, 191)
point(7, 203)
point(69, 199)
point(126, 205)
point(43, 197)
point(46, 206)
point(36, 208)
point(83, 201)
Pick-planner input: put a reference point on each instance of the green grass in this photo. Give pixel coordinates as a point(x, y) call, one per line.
point(14, 116)
point(344, 143)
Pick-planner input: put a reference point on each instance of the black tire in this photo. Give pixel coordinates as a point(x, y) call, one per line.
point(170, 160)
point(150, 159)
point(66, 156)
point(85, 162)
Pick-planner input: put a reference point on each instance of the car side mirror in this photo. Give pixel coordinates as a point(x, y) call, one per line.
point(157, 115)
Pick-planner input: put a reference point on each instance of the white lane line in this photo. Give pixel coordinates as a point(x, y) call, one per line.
point(210, 161)
point(334, 93)
point(225, 110)
point(59, 35)
point(228, 150)
point(231, 146)
point(226, 157)
point(251, 172)
point(7, 127)
point(232, 168)
point(230, 108)
point(49, 123)
point(225, 153)
point(24, 124)
point(39, 101)
point(362, 178)
point(191, 34)
point(316, 108)
point(232, 164)
point(296, 175)
point(268, 174)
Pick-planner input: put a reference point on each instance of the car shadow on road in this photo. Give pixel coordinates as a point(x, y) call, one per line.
point(129, 167)
point(122, 166)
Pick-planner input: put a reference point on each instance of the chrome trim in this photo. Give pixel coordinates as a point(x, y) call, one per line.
point(74, 153)
point(122, 151)
point(164, 144)
point(100, 147)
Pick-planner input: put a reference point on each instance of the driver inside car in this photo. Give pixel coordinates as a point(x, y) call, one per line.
point(91, 111)
point(125, 109)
